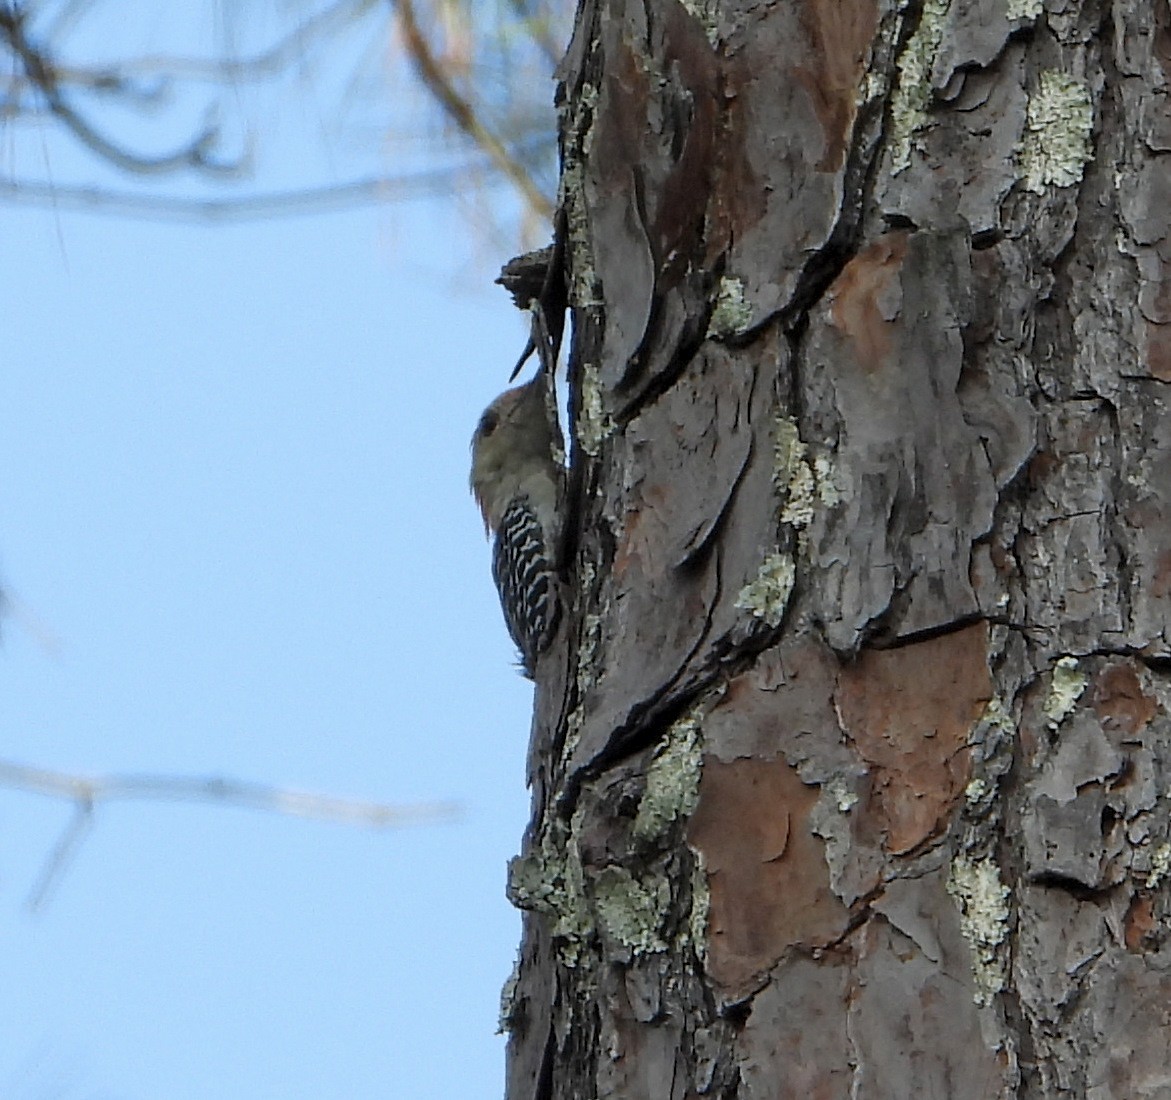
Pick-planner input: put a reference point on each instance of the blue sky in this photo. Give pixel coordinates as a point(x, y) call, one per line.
point(235, 522)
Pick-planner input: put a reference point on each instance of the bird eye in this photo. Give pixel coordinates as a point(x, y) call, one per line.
point(488, 423)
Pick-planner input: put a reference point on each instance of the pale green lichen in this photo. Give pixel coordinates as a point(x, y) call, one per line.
point(631, 912)
point(994, 725)
point(798, 510)
point(587, 99)
point(587, 658)
point(701, 903)
point(575, 722)
point(768, 595)
point(976, 789)
point(1059, 123)
point(732, 314)
point(508, 1000)
point(983, 903)
point(793, 475)
point(1065, 688)
point(874, 85)
point(584, 290)
point(591, 631)
point(844, 797)
point(830, 490)
point(830, 820)
point(788, 451)
point(1024, 9)
point(914, 92)
point(1160, 865)
point(993, 730)
point(802, 482)
point(996, 716)
point(672, 781)
point(593, 423)
point(550, 880)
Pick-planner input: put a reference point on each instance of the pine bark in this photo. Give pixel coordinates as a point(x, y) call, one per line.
point(849, 763)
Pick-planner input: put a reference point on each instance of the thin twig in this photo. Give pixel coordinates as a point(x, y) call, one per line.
point(270, 62)
point(90, 790)
point(198, 153)
point(538, 29)
point(231, 210)
point(68, 17)
point(87, 792)
point(67, 846)
point(462, 113)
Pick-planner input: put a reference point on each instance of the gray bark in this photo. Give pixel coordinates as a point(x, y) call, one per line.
point(848, 768)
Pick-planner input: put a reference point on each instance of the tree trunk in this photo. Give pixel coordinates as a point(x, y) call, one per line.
point(848, 766)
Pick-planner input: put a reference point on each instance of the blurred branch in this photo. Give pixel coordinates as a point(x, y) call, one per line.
point(67, 846)
point(38, 84)
point(71, 14)
point(277, 204)
point(538, 28)
point(437, 81)
point(90, 790)
point(87, 792)
point(270, 62)
point(39, 68)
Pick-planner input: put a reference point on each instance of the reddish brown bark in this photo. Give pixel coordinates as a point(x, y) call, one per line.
point(849, 767)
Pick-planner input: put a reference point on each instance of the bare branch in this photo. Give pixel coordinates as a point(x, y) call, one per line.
point(87, 792)
point(40, 84)
point(276, 204)
point(198, 153)
point(62, 855)
point(39, 68)
point(538, 28)
point(462, 113)
point(270, 62)
point(69, 16)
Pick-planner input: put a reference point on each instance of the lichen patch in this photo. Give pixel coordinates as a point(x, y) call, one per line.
point(732, 314)
point(913, 95)
point(631, 912)
point(1065, 688)
point(672, 781)
point(1059, 123)
point(767, 596)
point(983, 903)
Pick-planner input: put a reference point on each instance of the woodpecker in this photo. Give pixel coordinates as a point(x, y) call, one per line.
point(519, 485)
